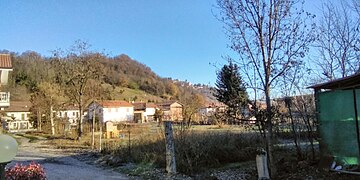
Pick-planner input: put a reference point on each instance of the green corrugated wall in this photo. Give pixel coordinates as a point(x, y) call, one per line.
point(337, 125)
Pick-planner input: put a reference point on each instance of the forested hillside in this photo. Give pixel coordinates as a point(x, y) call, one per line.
point(121, 78)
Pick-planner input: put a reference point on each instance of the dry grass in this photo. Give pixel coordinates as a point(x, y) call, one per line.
point(196, 149)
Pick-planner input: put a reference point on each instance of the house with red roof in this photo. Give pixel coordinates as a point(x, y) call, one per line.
point(144, 112)
point(113, 111)
point(5, 68)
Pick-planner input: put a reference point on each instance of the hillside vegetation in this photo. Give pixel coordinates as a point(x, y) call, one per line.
point(122, 78)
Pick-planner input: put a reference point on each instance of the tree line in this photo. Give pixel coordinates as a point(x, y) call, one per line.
point(77, 76)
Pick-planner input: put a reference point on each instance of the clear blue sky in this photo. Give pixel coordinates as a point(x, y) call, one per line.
point(179, 39)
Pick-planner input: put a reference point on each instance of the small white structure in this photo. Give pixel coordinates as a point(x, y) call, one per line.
point(114, 111)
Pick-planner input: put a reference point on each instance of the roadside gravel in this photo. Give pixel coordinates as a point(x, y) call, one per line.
point(60, 164)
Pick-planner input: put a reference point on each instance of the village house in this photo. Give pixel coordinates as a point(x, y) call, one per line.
point(114, 111)
point(207, 112)
point(210, 108)
point(5, 68)
point(172, 110)
point(144, 112)
point(70, 113)
point(17, 116)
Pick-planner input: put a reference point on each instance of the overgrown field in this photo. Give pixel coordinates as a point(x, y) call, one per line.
point(196, 149)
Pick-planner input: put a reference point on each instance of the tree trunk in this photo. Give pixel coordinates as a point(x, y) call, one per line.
point(80, 125)
point(39, 120)
point(269, 133)
point(92, 131)
point(309, 130)
point(298, 149)
point(52, 121)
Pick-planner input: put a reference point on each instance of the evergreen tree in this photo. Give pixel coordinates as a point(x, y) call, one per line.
point(230, 89)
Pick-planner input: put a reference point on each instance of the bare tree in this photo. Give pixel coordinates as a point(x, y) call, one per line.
point(76, 70)
point(192, 103)
point(270, 37)
point(338, 40)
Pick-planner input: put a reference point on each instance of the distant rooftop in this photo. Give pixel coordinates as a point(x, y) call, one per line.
point(19, 106)
point(5, 61)
point(110, 104)
point(143, 105)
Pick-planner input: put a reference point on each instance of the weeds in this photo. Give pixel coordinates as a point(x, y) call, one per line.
point(195, 151)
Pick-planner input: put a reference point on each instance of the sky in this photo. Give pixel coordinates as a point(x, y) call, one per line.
point(178, 39)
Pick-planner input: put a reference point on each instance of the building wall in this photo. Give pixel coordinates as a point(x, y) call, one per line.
point(118, 114)
point(176, 111)
point(115, 114)
point(21, 121)
point(19, 115)
point(149, 112)
point(72, 115)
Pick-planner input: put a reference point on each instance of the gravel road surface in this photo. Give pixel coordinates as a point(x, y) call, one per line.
point(60, 164)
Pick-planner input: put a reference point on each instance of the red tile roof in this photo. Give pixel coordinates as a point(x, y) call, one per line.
point(107, 104)
point(5, 61)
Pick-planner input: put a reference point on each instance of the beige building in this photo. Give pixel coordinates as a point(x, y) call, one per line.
point(172, 110)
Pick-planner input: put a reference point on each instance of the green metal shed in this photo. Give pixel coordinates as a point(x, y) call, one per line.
point(337, 111)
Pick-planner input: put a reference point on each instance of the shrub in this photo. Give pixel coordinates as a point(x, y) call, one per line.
point(32, 171)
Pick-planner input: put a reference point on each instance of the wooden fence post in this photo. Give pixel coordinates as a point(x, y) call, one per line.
point(170, 148)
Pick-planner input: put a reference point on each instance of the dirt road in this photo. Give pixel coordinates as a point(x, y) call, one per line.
point(59, 164)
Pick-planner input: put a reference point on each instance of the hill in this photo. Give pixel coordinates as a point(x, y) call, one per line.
point(123, 77)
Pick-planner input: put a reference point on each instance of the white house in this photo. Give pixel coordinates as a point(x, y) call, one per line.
point(5, 68)
point(71, 113)
point(144, 112)
point(207, 112)
point(17, 116)
point(114, 111)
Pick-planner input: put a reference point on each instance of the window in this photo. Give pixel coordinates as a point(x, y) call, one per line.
point(12, 115)
point(22, 116)
point(66, 114)
point(77, 114)
point(73, 113)
point(60, 114)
